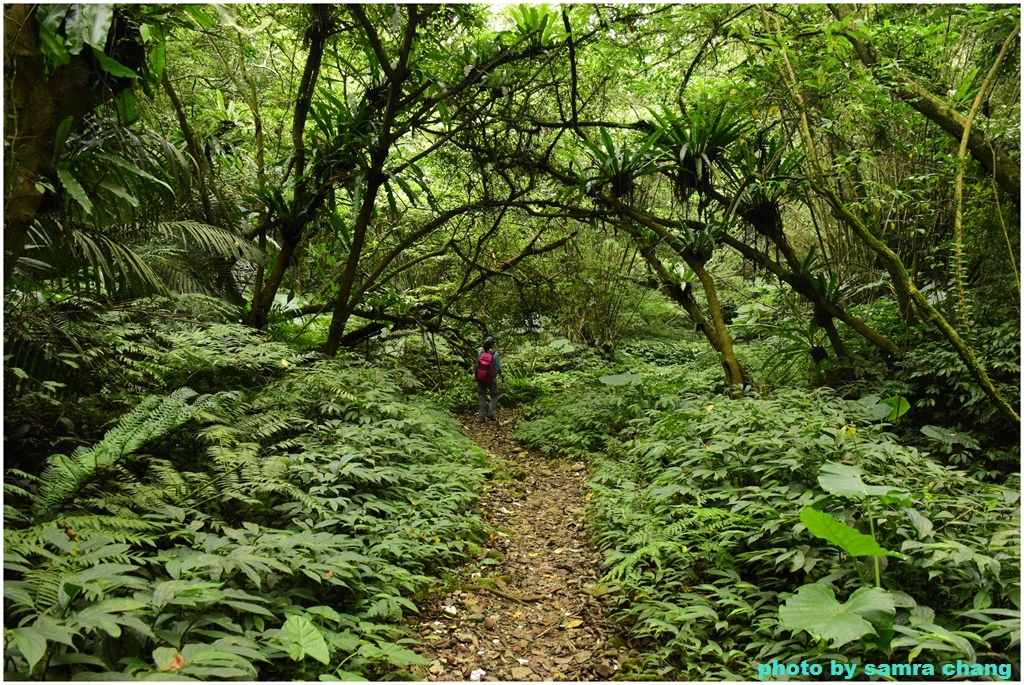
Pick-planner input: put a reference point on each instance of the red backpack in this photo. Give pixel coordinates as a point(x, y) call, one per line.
point(485, 368)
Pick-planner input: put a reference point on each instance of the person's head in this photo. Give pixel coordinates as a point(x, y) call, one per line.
point(489, 343)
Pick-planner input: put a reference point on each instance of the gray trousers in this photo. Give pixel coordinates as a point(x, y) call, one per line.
point(481, 393)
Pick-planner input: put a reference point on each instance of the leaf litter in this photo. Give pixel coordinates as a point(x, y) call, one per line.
point(524, 609)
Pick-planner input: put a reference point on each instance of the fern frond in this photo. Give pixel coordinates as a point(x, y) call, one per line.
point(65, 476)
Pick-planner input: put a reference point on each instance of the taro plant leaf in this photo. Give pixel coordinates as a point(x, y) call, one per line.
point(899, 405)
point(845, 480)
point(814, 608)
point(853, 542)
point(324, 612)
point(301, 638)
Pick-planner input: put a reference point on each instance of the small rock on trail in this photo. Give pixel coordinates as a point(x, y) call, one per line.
point(522, 611)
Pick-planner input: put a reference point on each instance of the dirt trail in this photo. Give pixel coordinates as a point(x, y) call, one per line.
point(522, 609)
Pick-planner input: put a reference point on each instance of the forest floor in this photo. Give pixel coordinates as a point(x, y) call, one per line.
point(525, 609)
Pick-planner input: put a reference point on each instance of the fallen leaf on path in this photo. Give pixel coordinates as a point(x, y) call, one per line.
point(521, 673)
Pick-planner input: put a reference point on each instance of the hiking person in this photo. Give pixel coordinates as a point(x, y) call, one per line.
point(488, 367)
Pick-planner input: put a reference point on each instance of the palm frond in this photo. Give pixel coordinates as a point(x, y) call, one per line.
point(210, 239)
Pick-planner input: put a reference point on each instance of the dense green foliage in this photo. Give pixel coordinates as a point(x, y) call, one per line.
point(697, 505)
point(239, 531)
point(757, 265)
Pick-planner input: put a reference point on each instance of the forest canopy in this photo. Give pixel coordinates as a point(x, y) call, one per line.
point(756, 265)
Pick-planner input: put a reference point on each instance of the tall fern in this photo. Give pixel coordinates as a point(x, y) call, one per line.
point(660, 541)
point(65, 476)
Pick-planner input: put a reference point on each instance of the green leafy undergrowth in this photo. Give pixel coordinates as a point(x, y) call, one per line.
point(272, 532)
point(714, 514)
point(584, 410)
point(532, 371)
point(943, 392)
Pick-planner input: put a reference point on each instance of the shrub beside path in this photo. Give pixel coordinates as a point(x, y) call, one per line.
point(525, 607)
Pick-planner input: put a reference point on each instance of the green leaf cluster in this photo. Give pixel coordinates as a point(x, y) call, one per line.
point(277, 530)
point(731, 528)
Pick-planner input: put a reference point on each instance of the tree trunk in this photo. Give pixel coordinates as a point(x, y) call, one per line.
point(734, 376)
point(801, 286)
point(928, 312)
point(28, 140)
point(291, 231)
point(34, 107)
point(822, 316)
point(683, 296)
point(343, 310)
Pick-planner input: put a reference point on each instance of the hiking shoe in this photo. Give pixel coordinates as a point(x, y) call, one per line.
point(479, 419)
point(492, 418)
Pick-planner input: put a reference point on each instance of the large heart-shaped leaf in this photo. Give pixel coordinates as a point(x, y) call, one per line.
point(846, 480)
point(899, 405)
point(853, 542)
point(303, 639)
point(814, 608)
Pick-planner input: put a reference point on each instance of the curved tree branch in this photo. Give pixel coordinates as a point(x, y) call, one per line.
point(991, 156)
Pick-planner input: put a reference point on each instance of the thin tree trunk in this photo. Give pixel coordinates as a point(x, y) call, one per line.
point(343, 310)
point(734, 377)
point(961, 165)
point(682, 294)
point(192, 142)
point(292, 230)
point(822, 315)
